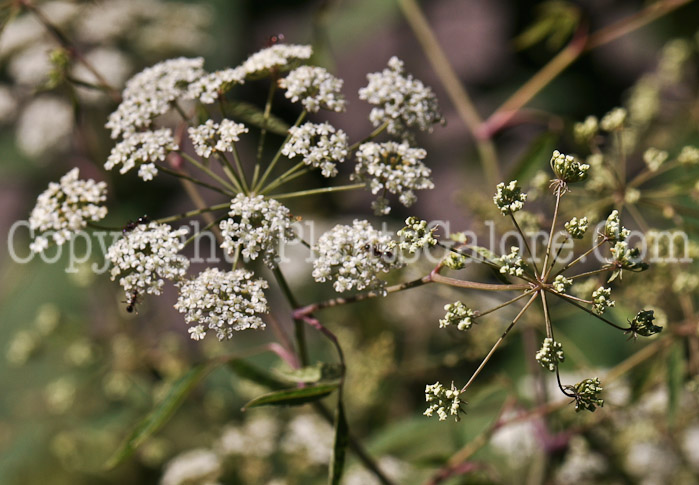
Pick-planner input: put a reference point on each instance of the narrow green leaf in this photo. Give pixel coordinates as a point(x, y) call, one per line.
point(535, 158)
point(259, 376)
point(292, 397)
point(253, 115)
point(675, 379)
point(162, 412)
point(337, 464)
point(320, 371)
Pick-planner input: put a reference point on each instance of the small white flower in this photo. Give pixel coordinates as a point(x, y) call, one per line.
point(320, 145)
point(142, 150)
point(354, 256)
point(577, 227)
point(224, 302)
point(509, 198)
point(512, 263)
point(443, 401)
point(208, 88)
point(415, 235)
point(215, 137)
point(561, 283)
point(67, 207)
point(392, 167)
point(401, 101)
point(279, 57)
point(601, 300)
point(457, 314)
point(257, 225)
point(151, 93)
point(146, 256)
point(315, 87)
point(567, 168)
point(550, 354)
point(613, 230)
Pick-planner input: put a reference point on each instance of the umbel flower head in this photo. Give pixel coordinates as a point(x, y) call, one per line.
point(401, 101)
point(277, 58)
point(415, 235)
point(392, 167)
point(222, 301)
point(146, 256)
point(151, 92)
point(444, 402)
point(550, 354)
point(256, 225)
point(586, 394)
point(320, 145)
point(457, 314)
point(142, 150)
point(315, 87)
point(354, 256)
point(509, 198)
point(642, 324)
point(214, 137)
point(66, 207)
point(577, 227)
point(567, 169)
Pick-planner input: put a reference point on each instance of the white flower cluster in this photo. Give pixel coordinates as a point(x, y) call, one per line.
point(577, 227)
point(392, 167)
point(256, 225)
point(146, 256)
point(561, 283)
point(315, 87)
point(353, 256)
point(215, 137)
point(151, 92)
point(209, 87)
point(415, 235)
point(444, 401)
point(550, 354)
point(457, 314)
point(320, 145)
point(142, 150)
point(509, 198)
point(654, 158)
point(512, 263)
point(223, 302)
point(613, 230)
point(199, 465)
point(601, 299)
point(401, 101)
point(66, 207)
point(278, 57)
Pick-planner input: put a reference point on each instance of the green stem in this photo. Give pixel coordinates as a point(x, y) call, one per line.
point(192, 213)
point(502, 305)
point(580, 258)
point(544, 270)
point(568, 299)
point(369, 137)
point(299, 328)
point(230, 172)
point(283, 178)
point(590, 273)
point(239, 166)
point(473, 285)
point(322, 190)
point(195, 181)
point(277, 156)
point(265, 119)
point(209, 172)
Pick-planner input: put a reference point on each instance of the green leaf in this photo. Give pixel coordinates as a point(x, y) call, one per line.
point(536, 157)
point(259, 376)
point(556, 21)
point(337, 464)
point(320, 371)
point(676, 367)
point(292, 397)
point(162, 412)
point(253, 115)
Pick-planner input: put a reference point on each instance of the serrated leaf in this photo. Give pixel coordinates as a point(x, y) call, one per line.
point(161, 413)
point(251, 114)
point(293, 397)
point(259, 376)
point(320, 371)
point(341, 441)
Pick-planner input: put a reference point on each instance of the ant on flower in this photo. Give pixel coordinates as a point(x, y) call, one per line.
point(131, 302)
point(131, 225)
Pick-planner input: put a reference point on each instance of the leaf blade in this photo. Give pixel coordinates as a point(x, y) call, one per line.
point(292, 397)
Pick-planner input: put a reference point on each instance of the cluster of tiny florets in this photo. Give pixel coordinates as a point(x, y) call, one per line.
point(509, 198)
point(654, 158)
point(454, 260)
point(223, 302)
point(320, 145)
point(561, 283)
point(142, 149)
point(353, 256)
point(315, 87)
point(444, 401)
point(601, 299)
point(628, 258)
point(146, 256)
point(614, 120)
point(277, 58)
point(586, 131)
point(65, 208)
point(586, 394)
point(256, 225)
point(613, 230)
point(457, 314)
point(152, 92)
point(416, 235)
point(642, 324)
point(567, 168)
point(392, 167)
point(550, 354)
point(401, 101)
point(512, 263)
point(212, 137)
point(577, 227)
point(208, 88)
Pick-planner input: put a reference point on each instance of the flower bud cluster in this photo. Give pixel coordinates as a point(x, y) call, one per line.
point(415, 235)
point(601, 299)
point(215, 137)
point(142, 149)
point(586, 131)
point(642, 324)
point(654, 158)
point(509, 198)
point(613, 230)
point(614, 120)
point(587, 394)
point(567, 168)
point(550, 354)
point(561, 283)
point(512, 263)
point(457, 314)
point(577, 227)
point(689, 155)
